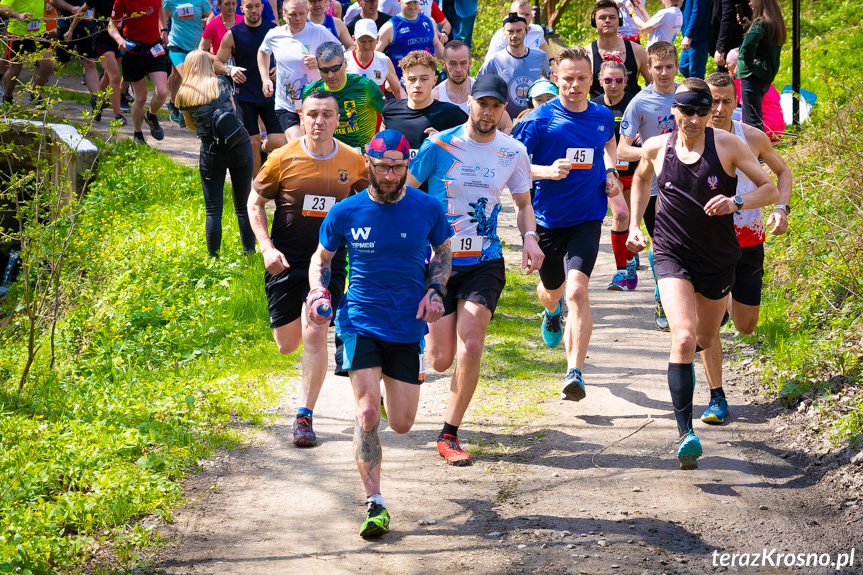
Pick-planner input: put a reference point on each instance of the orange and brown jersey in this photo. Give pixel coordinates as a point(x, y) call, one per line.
point(304, 188)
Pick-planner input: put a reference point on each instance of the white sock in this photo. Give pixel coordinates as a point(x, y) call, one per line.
point(376, 498)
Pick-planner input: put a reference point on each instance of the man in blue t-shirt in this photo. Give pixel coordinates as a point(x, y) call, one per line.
point(573, 148)
point(407, 31)
point(381, 320)
point(467, 168)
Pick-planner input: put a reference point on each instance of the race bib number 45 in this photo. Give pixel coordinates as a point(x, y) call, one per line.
point(317, 206)
point(467, 247)
point(580, 158)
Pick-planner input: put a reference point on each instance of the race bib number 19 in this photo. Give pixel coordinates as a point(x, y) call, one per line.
point(317, 206)
point(157, 50)
point(580, 158)
point(467, 247)
point(185, 11)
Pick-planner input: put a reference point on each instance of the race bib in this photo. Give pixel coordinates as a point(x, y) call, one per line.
point(467, 247)
point(580, 158)
point(185, 12)
point(88, 15)
point(33, 25)
point(422, 374)
point(317, 206)
point(413, 153)
point(622, 165)
point(157, 50)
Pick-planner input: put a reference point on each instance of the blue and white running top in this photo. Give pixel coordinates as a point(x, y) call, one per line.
point(467, 177)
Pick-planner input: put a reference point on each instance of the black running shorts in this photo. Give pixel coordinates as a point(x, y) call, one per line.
point(749, 276)
point(288, 119)
point(400, 361)
point(712, 286)
point(565, 249)
point(249, 112)
point(287, 291)
point(480, 283)
point(138, 66)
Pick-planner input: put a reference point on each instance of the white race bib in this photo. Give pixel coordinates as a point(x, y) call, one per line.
point(185, 12)
point(580, 158)
point(422, 374)
point(467, 247)
point(317, 206)
point(622, 165)
point(413, 153)
point(157, 50)
point(33, 25)
point(88, 15)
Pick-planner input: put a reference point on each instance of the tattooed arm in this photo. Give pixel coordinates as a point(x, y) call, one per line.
point(319, 280)
point(440, 266)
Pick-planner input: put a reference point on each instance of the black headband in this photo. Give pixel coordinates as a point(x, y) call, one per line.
point(514, 18)
point(694, 98)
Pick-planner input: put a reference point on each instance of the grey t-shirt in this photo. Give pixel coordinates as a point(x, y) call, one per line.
point(647, 115)
point(519, 74)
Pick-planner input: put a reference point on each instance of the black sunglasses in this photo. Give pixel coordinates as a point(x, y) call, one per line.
point(335, 68)
point(692, 110)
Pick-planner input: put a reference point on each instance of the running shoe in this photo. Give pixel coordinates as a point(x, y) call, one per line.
point(659, 317)
point(304, 435)
point(383, 410)
point(551, 329)
point(631, 275)
point(176, 115)
point(449, 449)
point(140, 140)
point(637, 262)
point(97, 109)
point(573, 388)
point(121, 119)
point(377, 521)
point(716, 412)
point(125, 103)
point(688, 451)
point(618, 282)
point(155, 129)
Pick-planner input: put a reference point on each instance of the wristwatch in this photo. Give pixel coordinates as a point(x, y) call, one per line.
point(228, 70)
point(531, 233)
point(439, 288)
point(738, 201)
point(612, 171)
point(784, 207)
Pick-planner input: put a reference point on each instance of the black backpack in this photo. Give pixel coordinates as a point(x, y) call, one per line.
point(227, 129)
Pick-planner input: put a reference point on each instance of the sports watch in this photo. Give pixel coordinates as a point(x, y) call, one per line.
point(738, 201)
point(612, 171)
point(784, 207)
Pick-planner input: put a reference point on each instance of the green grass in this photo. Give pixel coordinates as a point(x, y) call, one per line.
point(161, 352)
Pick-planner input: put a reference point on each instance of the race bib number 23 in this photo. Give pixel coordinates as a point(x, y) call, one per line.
point(317, 206)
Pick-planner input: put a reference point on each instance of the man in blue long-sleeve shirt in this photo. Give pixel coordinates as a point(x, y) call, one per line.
point(696, 38)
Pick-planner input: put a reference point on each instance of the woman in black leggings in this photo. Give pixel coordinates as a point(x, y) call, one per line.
point(200, 95)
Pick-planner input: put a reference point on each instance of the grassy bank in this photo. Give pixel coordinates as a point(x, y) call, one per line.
point(159, 353)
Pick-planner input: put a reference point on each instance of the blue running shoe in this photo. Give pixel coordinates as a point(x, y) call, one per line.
point(125, 103)
point(631, 276)
point(689, 451)
point(551, 329)
point(637, 262)
point(716, 412)
point(618, 282)
point(573, 389)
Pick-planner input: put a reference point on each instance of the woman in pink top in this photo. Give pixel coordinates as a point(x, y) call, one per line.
point(771, 109)
point(218, 25)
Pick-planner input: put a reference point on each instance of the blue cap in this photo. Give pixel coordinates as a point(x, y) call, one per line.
point(388, 141)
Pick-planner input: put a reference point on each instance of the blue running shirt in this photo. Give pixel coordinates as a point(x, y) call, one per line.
point(409, 35)
point(467, 177)
point(387, 249)
point(552, 132)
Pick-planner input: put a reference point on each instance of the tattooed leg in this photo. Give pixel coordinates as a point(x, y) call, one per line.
point(368, 453)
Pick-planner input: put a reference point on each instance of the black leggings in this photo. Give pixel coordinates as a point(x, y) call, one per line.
point(214, 163)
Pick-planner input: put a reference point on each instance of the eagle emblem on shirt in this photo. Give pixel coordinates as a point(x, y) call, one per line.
point(712, 181)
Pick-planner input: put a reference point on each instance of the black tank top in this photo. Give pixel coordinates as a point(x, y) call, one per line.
point(629, 63)
point(704, 244)
point(247, 40)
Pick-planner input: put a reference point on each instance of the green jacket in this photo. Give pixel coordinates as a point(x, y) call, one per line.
point(758, 58)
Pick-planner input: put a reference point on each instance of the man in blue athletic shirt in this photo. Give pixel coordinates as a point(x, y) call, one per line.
point(573, 148)
point(381, 320)
point(407, 31)
point(467, 168)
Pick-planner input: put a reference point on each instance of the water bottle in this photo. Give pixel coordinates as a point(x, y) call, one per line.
point(323, 309)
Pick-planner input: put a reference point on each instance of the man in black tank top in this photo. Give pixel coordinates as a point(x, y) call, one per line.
point(606, 20)
point(695, 245)
point(240, 45)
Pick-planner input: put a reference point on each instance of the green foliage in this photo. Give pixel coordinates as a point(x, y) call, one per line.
point(158, 349)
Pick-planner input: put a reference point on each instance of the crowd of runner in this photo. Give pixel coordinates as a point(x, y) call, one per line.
point(362, 123)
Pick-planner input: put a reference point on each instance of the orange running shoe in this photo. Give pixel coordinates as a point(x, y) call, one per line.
point(449, 449)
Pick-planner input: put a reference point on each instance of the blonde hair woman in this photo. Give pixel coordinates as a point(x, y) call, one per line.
point(201, 93)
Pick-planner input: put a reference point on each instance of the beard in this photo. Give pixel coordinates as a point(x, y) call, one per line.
point(386, 192)
point(478, 127)
point(458, 83)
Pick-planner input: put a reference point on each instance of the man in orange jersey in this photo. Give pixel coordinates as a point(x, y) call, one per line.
point(306, 178)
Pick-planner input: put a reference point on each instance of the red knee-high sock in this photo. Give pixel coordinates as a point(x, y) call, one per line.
point(618, 245)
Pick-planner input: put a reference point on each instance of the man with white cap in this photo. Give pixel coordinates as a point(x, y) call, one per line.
point(364, 60)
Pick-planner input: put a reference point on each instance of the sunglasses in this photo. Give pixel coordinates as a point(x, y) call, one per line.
point(692, 110)
point(331, 69)
point(610, 81)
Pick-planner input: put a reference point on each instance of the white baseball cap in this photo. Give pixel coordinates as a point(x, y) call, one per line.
point(366, 27)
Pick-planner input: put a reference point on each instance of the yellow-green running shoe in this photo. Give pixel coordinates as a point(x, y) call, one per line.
point(377, 521)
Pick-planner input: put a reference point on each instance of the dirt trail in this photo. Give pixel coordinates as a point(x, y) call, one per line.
point(554, 507)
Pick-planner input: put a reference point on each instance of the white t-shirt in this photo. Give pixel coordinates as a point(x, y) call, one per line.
point(390, 7)
point(376, 71)
point(534, 39)
point(667, 23)
point(443, 95)
point(289, 50)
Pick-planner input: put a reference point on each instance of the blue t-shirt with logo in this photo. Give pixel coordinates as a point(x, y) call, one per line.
point(552, 132)
point(187, 25)
point(409, 35)
point(519, 74)
point(387, 249)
